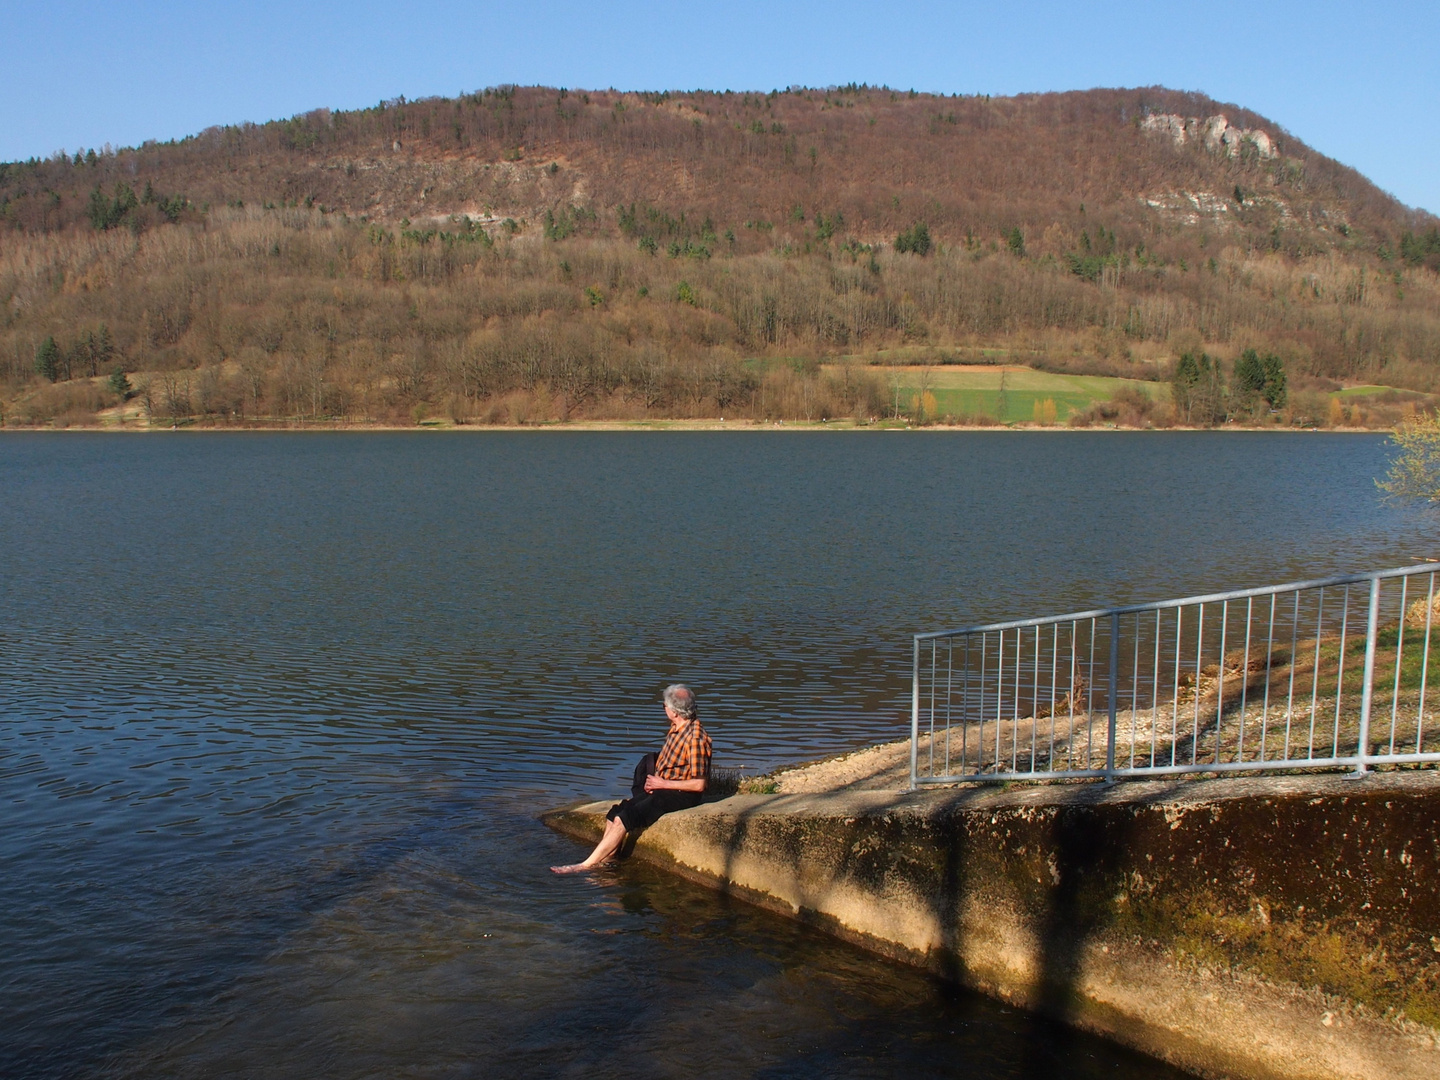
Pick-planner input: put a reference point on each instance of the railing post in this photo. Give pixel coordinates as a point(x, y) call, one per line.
point(1372, 626)
point(915, 717)
point(1114, 677)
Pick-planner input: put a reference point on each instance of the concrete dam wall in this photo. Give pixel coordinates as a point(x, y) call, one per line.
point(1260, 927)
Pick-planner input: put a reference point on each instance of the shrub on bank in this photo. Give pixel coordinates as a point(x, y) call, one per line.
point(1126, 408)
point(71, 404)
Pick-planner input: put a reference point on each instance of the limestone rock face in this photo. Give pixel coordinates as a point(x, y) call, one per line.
point(1215, 133)
point(1263, 144)
point(1166, 124)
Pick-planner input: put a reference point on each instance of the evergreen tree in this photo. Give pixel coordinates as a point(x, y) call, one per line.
point(1198, 389)
point(1422, 249)
point(106, 213)
point(99, 211)
point(915, 239)
point(1276, 390)
point(47, 359)
point(1249, 381)
point(1259, 379)
point(120, 385)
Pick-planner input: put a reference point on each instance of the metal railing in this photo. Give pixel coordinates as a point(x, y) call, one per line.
point(1324, 674)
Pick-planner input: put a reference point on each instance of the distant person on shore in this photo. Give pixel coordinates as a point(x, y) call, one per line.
point(673, 779)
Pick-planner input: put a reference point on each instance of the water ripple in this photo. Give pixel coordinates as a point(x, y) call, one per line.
point(277, 713)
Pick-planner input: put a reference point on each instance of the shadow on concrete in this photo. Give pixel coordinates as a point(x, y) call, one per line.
point(1084, 832)
point(1086, 839)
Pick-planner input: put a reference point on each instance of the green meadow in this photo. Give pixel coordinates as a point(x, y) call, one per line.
point(1008, 394)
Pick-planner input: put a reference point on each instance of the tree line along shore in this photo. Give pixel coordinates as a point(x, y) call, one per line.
point(912, 400)
point(260, 316)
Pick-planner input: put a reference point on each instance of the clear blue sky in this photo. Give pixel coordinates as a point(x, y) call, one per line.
point(1357, 81)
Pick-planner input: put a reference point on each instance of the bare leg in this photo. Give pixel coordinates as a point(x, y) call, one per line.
point(609, 844)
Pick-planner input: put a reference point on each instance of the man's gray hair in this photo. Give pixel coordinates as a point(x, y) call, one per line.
point(682, 699)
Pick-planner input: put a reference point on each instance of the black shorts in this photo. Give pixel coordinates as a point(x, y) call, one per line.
point(644, 808)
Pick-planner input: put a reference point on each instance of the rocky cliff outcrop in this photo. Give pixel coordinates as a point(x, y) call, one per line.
point(1214, 132)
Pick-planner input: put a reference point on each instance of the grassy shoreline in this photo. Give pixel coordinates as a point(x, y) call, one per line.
point(655, 425)
point(951, 397)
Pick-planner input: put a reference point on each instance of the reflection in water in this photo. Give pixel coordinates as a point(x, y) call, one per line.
point(277, 714)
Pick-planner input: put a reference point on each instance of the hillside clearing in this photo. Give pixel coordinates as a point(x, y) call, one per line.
point(1008, 394)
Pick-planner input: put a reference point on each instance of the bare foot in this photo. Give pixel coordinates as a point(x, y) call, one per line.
point(573, 868)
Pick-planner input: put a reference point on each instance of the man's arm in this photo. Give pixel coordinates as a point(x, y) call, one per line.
point(655, 782)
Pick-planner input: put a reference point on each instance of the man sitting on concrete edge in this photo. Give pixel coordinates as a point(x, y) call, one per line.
point(674, 779)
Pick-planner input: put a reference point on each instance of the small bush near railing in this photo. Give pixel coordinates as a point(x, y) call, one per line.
point(726, 782)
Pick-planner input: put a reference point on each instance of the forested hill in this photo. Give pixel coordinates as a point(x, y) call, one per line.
point(589, 248)
point(878, 159)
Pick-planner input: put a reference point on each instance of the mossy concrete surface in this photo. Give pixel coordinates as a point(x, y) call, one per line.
point(1258, 927)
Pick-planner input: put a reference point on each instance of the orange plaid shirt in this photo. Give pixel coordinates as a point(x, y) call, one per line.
point(686, 754)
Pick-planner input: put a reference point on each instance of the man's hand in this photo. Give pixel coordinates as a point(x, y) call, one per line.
point(654, 782)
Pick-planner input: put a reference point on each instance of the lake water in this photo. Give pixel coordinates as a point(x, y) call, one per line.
point(278, 712)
